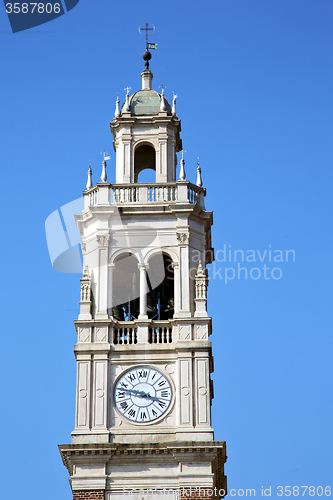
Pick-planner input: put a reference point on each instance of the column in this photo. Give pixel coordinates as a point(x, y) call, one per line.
point(184, 278)
point(143, 292)
point(175, 266)
point(102, 282)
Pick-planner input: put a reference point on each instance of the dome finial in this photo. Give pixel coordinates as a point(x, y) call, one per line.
point(199, 180)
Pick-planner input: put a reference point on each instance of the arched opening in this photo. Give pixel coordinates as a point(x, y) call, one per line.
point(125, 288)
point(160, 298)
point(144, 160)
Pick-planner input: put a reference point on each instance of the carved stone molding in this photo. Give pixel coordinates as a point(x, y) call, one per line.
point(183, 238)
point(103, 239)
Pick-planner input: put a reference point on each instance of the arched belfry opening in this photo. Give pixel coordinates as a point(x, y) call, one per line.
point(126, 288)
point(160, 297)
point(144, 160)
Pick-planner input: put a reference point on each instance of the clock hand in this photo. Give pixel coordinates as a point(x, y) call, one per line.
point(140, 393)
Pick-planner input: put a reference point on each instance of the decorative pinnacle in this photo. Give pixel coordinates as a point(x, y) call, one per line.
point(182, 175)
point(173, 111)
point(117, 112)
point(127, 105)
point(89, 184)
point(105, 157)
point(199, 179)
point(163, 105)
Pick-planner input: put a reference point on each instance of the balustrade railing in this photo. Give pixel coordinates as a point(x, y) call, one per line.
point(125, 332)
point(127, 335)
point(160, 334)
point(182, 192)
point(162, 193)
point(124, 194)
point(93, 196)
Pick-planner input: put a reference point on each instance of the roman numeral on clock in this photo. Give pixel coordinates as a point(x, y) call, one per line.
point(164, 394)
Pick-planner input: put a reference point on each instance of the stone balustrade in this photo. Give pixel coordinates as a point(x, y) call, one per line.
point(169, 192)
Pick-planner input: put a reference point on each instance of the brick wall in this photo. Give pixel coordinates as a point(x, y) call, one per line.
point(88, 495)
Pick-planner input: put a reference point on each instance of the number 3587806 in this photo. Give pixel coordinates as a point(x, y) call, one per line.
point(31, 8)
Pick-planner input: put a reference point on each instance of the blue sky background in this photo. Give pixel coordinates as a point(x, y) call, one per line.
point(254, 79)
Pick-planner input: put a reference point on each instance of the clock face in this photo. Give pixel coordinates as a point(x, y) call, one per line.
point(142, 394)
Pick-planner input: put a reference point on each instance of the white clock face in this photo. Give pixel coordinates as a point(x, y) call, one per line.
point(142, 394)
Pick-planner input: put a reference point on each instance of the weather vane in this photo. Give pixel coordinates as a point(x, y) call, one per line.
point(147, 55)
point(105, 155)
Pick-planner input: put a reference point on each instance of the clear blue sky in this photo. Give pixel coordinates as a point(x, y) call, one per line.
point(254, 79)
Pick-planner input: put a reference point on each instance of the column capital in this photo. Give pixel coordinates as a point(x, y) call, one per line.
point(103, 240)
point(183, 238)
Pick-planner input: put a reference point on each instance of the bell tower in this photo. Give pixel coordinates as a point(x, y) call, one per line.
point(144, 358)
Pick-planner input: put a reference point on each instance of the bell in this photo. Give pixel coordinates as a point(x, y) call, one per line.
point(170, 305)
point(118, 313)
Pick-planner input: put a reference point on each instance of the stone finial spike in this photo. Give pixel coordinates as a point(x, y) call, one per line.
point(127, 104)
point(89, 184)
point(199, 179)
point(163, 105)
point(182, 175)
point(200, 271)
point(173, 111)
point(105, 157)
point(117, 112)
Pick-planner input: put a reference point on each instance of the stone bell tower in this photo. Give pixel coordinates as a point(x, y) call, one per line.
point(144, 359)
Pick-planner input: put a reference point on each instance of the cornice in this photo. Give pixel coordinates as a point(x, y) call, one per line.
point(193, 451)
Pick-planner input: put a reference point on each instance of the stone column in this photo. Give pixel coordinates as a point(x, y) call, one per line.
point(143, 292)
point(175, 266)
point(184, 310)
point(102, 278)
point(110, 290)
